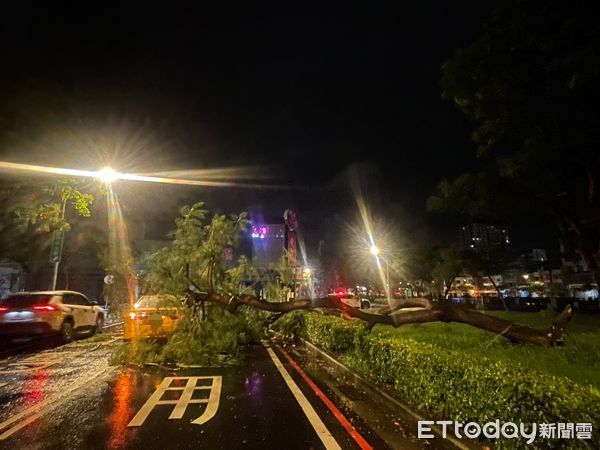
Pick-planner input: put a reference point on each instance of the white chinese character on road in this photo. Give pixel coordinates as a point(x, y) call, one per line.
point(547, 430)
point(583, 430)
point(183, 401)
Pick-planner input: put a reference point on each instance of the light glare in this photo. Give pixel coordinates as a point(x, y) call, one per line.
point(107, 175)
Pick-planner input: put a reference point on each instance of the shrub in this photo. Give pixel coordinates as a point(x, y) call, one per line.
point(290, 326)
point(453, 385)
point(331, 333)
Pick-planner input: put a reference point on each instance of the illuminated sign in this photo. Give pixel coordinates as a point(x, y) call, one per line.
point(259, 231)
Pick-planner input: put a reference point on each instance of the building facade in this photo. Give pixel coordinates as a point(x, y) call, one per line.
point(483, 237)
point(274, 239)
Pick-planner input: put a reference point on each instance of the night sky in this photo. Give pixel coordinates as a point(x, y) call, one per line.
point(314, 96)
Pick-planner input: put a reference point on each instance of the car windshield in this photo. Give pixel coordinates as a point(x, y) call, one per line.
point(25, 300)
point(158, 301)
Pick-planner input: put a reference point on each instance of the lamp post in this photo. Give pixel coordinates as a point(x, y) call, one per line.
point(107, 176)
point(307, 272)
point(57, 244)
point(375, 252)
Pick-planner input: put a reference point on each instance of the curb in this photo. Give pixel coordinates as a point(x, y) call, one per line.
point(395, 401)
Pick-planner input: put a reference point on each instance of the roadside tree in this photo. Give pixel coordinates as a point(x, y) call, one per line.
point(530, 84)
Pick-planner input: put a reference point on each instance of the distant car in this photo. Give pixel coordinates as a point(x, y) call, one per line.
point(64, 313)
point(352, 300)
point(152, 316)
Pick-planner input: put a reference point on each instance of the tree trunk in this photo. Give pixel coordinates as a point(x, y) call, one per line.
point(502, 299)
point(449, 286)
point(578, 238)
point(590, 260)
point(428, 311)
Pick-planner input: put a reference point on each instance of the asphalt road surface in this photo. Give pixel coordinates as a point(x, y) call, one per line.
point(70, 397)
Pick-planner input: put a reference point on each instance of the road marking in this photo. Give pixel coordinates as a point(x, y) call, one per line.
point(32, 413)
point(49, 358)
point(183, 401)
point(42, 361)
point(32, 363)
point(457, 443)
point(24, 367)
point(326, 437)
point(358, 438)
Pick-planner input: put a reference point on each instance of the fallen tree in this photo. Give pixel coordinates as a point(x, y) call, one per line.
point(194, 264)
point(421, 310)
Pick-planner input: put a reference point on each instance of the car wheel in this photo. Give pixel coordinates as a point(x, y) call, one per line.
point(66, 331)
point(99, 324)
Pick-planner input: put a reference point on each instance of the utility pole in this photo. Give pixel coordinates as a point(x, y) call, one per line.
point(58, 238)
point(387, 270)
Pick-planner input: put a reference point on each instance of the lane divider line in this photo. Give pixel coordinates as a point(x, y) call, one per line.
point(34, 412)
point(324, 434)
point(353, 432)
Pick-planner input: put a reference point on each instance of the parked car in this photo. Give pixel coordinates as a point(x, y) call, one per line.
point(64, 313)
point(152, 316)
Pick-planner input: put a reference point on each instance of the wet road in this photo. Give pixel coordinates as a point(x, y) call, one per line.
point(70, 397)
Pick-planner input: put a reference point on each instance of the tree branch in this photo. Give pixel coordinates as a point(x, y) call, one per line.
point(397, 305)
point(431, 312)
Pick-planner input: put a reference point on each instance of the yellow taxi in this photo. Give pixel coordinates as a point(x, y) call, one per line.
point(152, 316)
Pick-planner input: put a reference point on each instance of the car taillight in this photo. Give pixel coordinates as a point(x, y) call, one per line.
point(45, 308)
point(3, 309)
point(136, 316)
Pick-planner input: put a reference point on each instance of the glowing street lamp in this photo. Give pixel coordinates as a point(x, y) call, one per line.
point(107, 175)
point(374, 250)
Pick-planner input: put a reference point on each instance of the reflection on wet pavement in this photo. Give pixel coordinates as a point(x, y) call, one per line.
point(80, 402)
point(253, 385)
point(33, 390)
point(122, 411)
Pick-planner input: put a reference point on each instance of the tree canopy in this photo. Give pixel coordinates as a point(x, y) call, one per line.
point(31, 210)
point(195, 258)
point(530, 84)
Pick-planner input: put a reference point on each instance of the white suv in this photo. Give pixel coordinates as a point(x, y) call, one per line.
point(66, 313)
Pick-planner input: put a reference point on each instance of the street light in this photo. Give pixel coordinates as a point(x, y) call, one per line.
point(375, 252)
point(107, 175)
